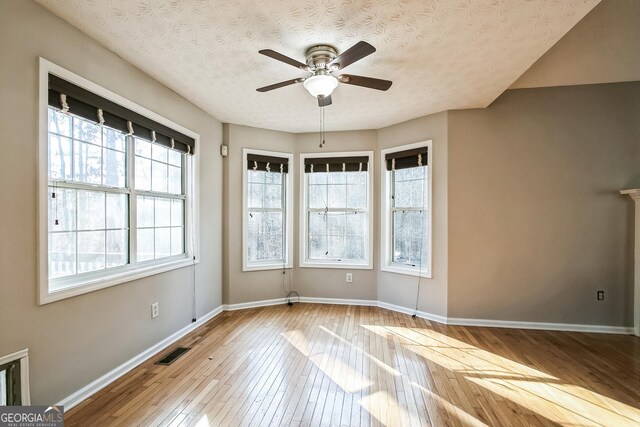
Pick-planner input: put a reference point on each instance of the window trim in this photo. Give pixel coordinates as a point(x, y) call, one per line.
point(109, 278)
point(303, 261)
point(288, 213)
point(386, 238)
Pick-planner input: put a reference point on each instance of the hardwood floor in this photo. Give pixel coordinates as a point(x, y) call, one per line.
point(329, 365)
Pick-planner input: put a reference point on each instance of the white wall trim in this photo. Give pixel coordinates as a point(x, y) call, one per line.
point(339, 301)
point(542, 326)
point(97, 385)
point(407, 310)
point(253, 304)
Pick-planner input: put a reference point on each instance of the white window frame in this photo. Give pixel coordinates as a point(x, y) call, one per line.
point(288, 213)
point(23, 357)
point(128, 273)
point(386, 239)
point(304, 230)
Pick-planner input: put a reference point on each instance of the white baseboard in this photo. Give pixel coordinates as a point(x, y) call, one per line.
point(97, 385)
point(253, 304)
point(339, 301)
point(562, 327)
point(406, 310)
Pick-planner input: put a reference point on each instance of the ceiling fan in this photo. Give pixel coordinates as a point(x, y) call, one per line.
point(323, 62)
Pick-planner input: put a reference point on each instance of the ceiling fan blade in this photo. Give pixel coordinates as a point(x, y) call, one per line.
point(353, 54)
point(283, 58)
point(368, 82)
point(279, 85)
point(323, 101)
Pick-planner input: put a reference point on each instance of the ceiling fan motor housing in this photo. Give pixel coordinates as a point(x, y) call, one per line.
point(319, 56)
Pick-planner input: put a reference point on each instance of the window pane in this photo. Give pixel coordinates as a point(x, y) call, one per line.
point(336, 223)
point(63, 209)
point(354, 247)
point(177, 240)
point(177, 213)
point(91, 210)
point(265, 236)
point(91, 251)
point(117, 247)
point(317, 196)
point(143, 174)
point(175, 180)
point(163, 212)
point(114, 139)
point(159, 177)
point(336, 247)
point(273, 195)
point(408, 247)
point(59, 122)
point(60, 158)
point(317, 247)
point(317, 178)
point(62, 254)
point(255, 176)
point(87, 163)
point(337, 195)
point(256, 195)
point(145, 217)
point(162, 242)
point(273, 177)
point(117, 211)
point(356, 196)
point(143, 148)
point(317, 223)
point(86, 131)
point(355, 223)
point(113, 171)
point(159, 153)
point(337, 178)
point(145, 244)
point(175, 158)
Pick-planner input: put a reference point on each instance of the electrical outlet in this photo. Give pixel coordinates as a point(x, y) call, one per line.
point(155, 310)
point(600, 295)
point(349, 278)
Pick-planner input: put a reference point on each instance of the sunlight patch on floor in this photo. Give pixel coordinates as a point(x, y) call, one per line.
point(534, 390)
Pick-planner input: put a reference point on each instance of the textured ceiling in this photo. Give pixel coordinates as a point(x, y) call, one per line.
point(440, 54)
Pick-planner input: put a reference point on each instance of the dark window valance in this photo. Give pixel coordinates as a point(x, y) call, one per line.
point(86, 104)
point(275, 164)
point(336, 164)
point(407, 159)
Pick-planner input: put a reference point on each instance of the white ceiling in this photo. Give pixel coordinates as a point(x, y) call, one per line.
point(440, 54)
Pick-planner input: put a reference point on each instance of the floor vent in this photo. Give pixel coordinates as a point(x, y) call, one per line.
point(168, 359)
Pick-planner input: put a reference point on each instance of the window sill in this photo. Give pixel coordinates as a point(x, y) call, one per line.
point(406, 271)
point(336, 265)
point(267, 267)
point(106, 281)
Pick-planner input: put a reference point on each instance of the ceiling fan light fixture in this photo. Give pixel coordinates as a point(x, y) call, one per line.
point(320, 85)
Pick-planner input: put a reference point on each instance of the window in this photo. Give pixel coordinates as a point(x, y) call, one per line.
point(407, 209)
point(336, 219)
point(118, 188)
point(267, 205)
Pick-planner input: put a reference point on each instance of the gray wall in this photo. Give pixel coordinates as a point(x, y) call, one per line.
point(402, 289)
point(74, 341)
point(536, 224)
